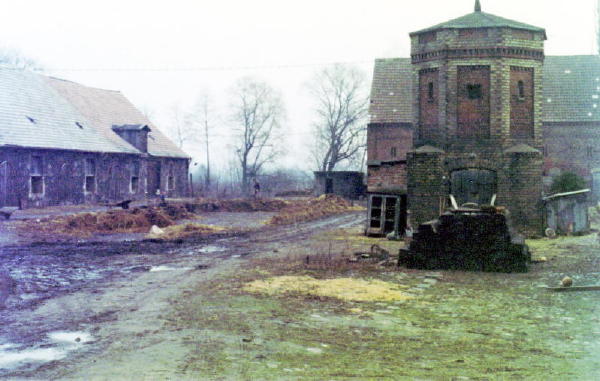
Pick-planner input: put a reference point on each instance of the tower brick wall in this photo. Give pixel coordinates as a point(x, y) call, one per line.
point(477, 100)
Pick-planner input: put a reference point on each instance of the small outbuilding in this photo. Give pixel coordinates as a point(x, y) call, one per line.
point(567, 213)
point(347, 184)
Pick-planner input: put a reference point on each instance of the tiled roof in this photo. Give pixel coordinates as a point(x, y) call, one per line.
point(32, 114)
point(391, 91)
point(105, 108)
point(43, 112)
point(480, 20)
point(571, 83)
point(571, 89)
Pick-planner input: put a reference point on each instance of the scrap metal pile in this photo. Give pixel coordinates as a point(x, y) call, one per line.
point(467, 238)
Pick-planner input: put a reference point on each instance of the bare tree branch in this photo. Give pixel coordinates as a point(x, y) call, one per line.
point(15, 59)
point(257, 115)
point(341, 109)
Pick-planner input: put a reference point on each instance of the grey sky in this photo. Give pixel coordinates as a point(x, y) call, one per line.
point(163, 52)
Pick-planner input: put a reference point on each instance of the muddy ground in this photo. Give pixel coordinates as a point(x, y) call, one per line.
point(166, 311)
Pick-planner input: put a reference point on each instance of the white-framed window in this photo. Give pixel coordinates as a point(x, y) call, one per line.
point(134, 184)
point(89, 184)
point(36, 176)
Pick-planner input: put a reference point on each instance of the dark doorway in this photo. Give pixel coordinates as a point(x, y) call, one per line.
point(153, 177)
point(473, 185)
point(328, 186)
point(3, 183)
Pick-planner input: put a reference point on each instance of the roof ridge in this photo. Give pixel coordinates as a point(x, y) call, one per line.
point(79, 84)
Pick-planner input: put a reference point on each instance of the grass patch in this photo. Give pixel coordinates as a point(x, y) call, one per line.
point(494, 326)
point(346, 289)
point(283, 317)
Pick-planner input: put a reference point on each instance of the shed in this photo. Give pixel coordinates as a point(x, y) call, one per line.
point(567, 212)
point(347, 184)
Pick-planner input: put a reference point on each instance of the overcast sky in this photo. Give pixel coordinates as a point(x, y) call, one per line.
point(161, 53)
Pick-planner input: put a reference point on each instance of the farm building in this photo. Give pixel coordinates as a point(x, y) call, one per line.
point(65, 143)
point(477, 110)
point(348, 184)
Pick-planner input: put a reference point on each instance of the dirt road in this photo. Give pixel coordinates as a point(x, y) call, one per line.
point(102, 310)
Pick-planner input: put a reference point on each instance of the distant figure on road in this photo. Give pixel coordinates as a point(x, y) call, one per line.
point(256, 189)
point(7, 287)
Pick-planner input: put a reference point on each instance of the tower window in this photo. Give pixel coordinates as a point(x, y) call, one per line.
point(474, 91)
point(393, 151)
point(430, 91)
point(521, 87)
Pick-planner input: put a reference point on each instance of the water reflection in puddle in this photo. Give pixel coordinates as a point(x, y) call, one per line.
point(57, 347)
point(167, 268)
point(211, 249)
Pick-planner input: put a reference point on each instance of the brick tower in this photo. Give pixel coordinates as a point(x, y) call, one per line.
point(477, 100)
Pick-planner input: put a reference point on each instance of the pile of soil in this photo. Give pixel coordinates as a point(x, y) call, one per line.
point(113, 221)
point(236, 205)
point(312, 209)
point(185, 231)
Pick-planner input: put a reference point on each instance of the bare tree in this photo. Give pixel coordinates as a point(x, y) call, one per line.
point(203, 115)
point(182, 126)
point(258, 112)
point(341, 108)
point(15, 59)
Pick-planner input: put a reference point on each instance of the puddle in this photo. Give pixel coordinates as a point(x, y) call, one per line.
point(167, 268)
point(12, 359)
point(70, 337)
point(211, 249)
point(61, 343)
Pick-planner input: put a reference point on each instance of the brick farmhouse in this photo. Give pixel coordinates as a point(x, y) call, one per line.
point(65, 143)
point(478, 110)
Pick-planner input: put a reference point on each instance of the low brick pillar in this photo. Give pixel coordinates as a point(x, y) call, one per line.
point(425, 181)
point(520, 189)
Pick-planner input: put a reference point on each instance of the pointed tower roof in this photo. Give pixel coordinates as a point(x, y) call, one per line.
point(479, 19)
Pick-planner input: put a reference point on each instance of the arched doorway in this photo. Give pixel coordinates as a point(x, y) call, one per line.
point(473, 185)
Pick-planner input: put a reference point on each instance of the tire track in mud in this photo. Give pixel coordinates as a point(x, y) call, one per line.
point(49, 272)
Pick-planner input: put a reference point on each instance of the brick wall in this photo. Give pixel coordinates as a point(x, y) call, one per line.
point(425, 185)
point(63, 177)
point(387, 176)
point(495, 132)
point(385, 139)
point(572, 147)
point(521, 102)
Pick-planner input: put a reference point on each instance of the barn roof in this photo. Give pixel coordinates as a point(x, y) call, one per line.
point(391, 91)
point(571, 88)
point(37, 111)
point(108, 108)
point(32, 114)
